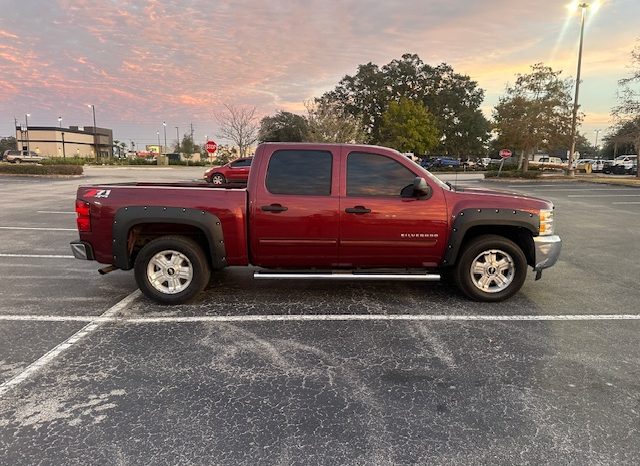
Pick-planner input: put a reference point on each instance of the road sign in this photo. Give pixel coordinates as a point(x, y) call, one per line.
point(505, 153)
point(211, 146)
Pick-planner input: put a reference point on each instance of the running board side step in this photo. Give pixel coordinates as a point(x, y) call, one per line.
point(426, 277)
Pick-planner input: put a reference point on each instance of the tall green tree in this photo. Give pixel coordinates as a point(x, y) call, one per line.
point(535, 113)
point(7, 143)
point(627, 112)
point(452, 98)
point(283, 127)
point(409, 127)
point(187, 147)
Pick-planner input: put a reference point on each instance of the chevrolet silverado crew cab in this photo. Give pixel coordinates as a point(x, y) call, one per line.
point(317, 211)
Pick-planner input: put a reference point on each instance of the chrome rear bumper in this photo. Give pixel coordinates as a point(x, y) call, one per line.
point(82, 250)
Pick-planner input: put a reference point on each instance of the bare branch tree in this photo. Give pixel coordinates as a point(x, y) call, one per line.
point(627, 113)
point(239, 125)
point(329, 123)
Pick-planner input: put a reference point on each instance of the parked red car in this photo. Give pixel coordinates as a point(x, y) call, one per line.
point(233, 172)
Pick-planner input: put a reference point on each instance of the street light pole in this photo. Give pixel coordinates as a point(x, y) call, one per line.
point(570, 169)
point(26, 127)
point(597, 131)
point(164, 126)
point(60, 121)
point(95, 136)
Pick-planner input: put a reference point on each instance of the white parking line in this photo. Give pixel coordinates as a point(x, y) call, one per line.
point(68, 343)
point(603, 195)
point(54, 212)
point(629, 202)
point(104, 318)
point(38, 256)
point(597, 190)
point(38, 228)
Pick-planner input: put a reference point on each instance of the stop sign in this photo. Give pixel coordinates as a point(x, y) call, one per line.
point(505, 153)
point(211, 146)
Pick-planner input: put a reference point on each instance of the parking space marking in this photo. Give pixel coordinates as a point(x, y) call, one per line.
point(104, 318)
point(603, 195)
point(591, 190)
point(628, 202)
point(54, 212)
point(65, 345)
point(38, 228)
point(38, 256)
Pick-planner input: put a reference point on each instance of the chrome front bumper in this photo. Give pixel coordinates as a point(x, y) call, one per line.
point(547, 251)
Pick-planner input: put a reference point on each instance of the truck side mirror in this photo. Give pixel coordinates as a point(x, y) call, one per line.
point(421, 189)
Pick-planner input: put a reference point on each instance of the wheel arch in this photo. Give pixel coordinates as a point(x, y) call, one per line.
point(134, 226)
point(517, 225)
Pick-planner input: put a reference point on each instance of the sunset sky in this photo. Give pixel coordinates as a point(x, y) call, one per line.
point(142, 62)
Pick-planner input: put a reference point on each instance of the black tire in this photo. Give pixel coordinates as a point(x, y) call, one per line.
point(184, 268)
point(217, 178)
point(503, 266)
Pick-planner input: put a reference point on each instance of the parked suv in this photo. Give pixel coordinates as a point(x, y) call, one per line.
point(233, 172)
point(18, 156)
point(624, 163)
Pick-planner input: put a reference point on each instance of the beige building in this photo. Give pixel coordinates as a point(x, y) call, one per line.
point(75, 141)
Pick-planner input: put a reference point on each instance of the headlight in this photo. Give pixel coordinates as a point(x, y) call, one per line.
point(546, 222)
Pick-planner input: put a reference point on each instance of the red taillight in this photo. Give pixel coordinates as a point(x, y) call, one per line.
point(83, 210)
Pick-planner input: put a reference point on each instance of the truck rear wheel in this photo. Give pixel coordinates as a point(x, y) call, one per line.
point(491, 268)
point(171, 270)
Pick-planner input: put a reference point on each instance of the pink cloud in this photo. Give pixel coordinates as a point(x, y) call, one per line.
point(180, 60)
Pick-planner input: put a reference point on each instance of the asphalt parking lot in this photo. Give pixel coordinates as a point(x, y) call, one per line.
point(318, 372)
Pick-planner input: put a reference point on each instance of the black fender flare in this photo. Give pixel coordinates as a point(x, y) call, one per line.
point(469, 218)
point(128, 217)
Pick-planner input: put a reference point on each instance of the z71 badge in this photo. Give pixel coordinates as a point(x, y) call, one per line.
point(98, 193)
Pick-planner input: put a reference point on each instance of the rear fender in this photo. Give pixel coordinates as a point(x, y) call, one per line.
point(128, 217)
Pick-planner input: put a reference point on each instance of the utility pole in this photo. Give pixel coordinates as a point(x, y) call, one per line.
point(95, 135)
point(191, 132)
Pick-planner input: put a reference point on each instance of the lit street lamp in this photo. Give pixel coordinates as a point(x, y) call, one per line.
point(570, 170)
point(95, 136)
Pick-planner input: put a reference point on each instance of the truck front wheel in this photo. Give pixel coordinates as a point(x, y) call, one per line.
point(171, 270)
point(491, 268)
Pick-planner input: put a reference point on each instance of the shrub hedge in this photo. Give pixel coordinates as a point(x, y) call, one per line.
point(530, 174)
point(33, 169)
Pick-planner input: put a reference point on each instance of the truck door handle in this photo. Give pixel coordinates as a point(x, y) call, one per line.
point(274, 208)
point(357, 210)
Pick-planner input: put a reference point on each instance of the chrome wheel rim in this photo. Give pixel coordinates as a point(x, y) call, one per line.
point(492, 271)
point(170, 272)
point(217, 179)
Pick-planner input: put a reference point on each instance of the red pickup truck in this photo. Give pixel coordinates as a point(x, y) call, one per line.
point(317, 211)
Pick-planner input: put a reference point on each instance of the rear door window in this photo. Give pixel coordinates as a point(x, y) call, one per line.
point(300, 172)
